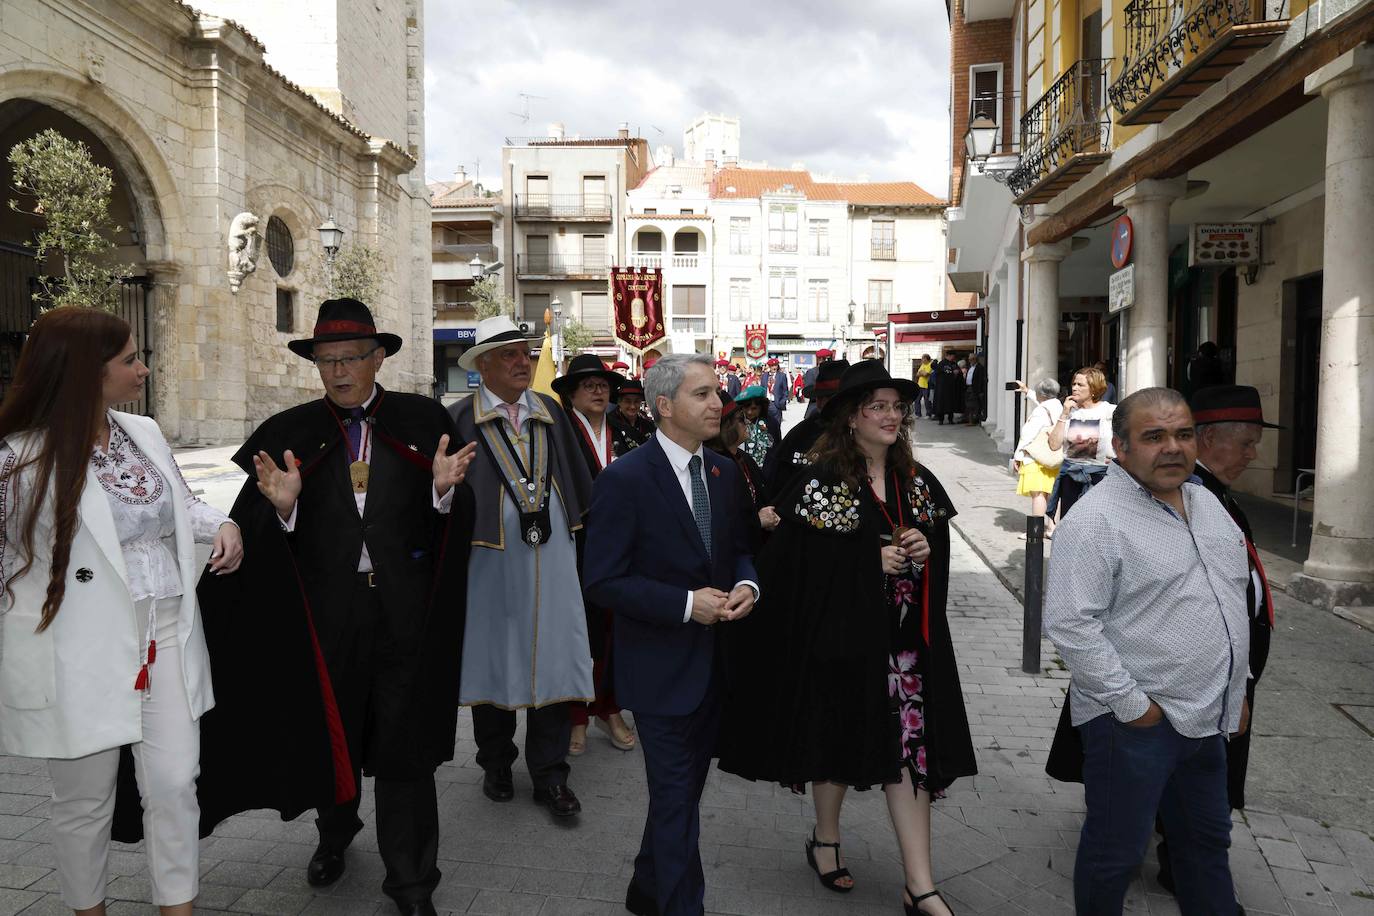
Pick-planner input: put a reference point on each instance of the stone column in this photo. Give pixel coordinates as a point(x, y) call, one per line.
point(1042, 310)
point(166, 393)
point(1147, 343)
point(1008, 275)
point(1340, 566)
point(992, 352)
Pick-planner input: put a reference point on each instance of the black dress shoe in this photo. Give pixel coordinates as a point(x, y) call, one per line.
point(325, 867)
point(637, 901)
point(559, 799)
point(419, 908)
point(498, 785)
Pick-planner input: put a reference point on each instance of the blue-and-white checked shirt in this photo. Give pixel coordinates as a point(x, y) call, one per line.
point(1145, 605)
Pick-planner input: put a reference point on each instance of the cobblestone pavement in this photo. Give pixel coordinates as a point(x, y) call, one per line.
point(1004, 840)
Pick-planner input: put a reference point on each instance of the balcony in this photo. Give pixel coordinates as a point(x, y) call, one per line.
point(1175, 49)
point(559, 267)
point(688, 260)
point(1064, 135)
point(466, 251)
point(883, 251)
point(591, 208)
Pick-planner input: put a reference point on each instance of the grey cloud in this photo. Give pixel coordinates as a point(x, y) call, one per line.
point(810, 80)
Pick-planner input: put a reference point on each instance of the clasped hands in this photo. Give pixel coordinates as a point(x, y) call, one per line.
point(711, 605)
point(282, 487)
point(913, 548)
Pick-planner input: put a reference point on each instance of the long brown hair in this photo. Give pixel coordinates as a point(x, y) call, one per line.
point(57, 392)
point(837, 452)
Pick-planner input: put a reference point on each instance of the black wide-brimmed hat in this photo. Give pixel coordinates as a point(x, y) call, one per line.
point(1228, 404)
point(828, 376)
point(862, 377)
point(343, 319)
point(630, 386)
point(586, 365)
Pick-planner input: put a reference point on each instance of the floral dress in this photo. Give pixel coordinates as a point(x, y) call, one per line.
point(910, 637)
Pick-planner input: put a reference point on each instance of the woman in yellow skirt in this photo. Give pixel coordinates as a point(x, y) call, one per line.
point(1034, 479)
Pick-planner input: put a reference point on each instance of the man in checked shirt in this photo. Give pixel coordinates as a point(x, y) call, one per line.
point(1146, 602)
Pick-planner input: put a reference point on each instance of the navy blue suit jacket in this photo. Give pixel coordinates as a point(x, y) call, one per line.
point(644, 554)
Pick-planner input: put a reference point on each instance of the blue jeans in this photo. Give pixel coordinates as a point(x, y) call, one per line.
point(1131, 773)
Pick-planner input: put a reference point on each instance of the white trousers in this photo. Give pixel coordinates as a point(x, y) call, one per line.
point(166, 763)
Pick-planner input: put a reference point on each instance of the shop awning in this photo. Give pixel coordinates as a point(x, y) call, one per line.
point(948, 326)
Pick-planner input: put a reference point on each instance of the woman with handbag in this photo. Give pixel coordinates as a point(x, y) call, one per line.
point(1037, 464)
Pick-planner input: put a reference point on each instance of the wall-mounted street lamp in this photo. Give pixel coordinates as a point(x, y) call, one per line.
point(331, 239)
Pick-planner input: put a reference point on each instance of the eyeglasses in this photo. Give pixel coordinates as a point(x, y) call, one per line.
point(880, 408)
point(594, 386)
point(348, 362)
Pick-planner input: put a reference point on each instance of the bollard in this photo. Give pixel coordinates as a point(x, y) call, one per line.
point(1035, 594)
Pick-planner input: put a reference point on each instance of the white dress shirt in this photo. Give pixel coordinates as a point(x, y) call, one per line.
point(678, 459)
point(492, 402)
point(442, 504)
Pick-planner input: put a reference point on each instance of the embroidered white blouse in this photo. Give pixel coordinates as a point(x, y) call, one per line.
point(140, 501)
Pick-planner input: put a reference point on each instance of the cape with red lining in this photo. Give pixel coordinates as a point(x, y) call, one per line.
point(274, 739)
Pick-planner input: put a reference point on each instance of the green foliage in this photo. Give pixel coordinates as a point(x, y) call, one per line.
point(576, 337)
point(70, 193)
point(489, 299)
point(356, 274)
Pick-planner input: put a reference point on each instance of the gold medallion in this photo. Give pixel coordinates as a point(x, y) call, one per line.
point(357, 473)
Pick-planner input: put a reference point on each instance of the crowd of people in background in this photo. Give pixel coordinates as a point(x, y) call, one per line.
point(600, 549)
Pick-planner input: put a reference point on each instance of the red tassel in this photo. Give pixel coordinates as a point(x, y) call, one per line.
point(152, 651)
point(142, 682)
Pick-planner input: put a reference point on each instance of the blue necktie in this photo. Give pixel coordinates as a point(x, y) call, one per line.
point(354, 430)
point(701, 506)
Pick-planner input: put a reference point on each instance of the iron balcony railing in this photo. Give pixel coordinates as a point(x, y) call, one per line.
point(1162, 35)
point(558, 265)
point(563, 206)
point(1070, 118)
point(999, 108)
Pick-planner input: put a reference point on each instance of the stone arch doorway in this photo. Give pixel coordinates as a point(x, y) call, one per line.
point(133, 209)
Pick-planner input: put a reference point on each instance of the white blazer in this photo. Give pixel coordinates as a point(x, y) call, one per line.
point(69, 691)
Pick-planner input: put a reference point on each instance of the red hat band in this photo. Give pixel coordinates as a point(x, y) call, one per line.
point(344, 327)
point(1229, 415)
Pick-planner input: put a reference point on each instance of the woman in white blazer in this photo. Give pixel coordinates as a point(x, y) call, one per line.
point(101, 643)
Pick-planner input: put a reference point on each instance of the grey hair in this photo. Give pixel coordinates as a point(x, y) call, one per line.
point(1046, 388)
point(666, 376)
point(961, 363)
point(1209, 432)
point(1144, 398)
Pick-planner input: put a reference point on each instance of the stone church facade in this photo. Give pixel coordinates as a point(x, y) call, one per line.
point(232, 135)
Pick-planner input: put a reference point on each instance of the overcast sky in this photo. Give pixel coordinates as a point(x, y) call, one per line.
point(848, 87)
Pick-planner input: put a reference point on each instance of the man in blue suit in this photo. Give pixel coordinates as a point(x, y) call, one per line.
point(668, 552)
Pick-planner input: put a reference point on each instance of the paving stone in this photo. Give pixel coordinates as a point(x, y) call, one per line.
point(1283, 854)
point(1301, 885)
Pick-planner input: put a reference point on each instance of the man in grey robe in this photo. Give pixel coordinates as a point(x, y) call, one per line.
point(525, 645)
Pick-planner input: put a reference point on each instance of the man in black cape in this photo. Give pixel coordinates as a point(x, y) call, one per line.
point(949, 388)
point(337, 649)
point(790, 456)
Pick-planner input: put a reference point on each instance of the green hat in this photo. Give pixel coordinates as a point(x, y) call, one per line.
point(752, 393)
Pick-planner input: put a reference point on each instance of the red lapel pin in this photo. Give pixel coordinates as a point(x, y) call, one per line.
point(715, 472)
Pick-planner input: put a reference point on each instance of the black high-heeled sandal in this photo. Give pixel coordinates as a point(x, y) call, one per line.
point(829, 878)
point(914, 907)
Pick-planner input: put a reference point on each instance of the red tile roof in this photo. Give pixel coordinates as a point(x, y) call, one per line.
point(736, 183)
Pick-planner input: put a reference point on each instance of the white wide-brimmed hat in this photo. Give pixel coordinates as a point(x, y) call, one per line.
point(491, 333)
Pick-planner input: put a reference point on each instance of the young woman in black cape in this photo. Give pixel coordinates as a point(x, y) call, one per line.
point(847, 676)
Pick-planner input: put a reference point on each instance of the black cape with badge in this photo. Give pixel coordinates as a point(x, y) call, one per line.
point(807, 675)
point(275, 738)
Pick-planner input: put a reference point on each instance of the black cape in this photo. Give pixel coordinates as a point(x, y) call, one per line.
point(789, 457)
point(274, 738)
point(1065, 761)
point(949, 388)
point(806, 686)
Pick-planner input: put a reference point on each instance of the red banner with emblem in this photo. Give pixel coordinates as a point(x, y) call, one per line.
point(637, 306)
point(756, 341)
